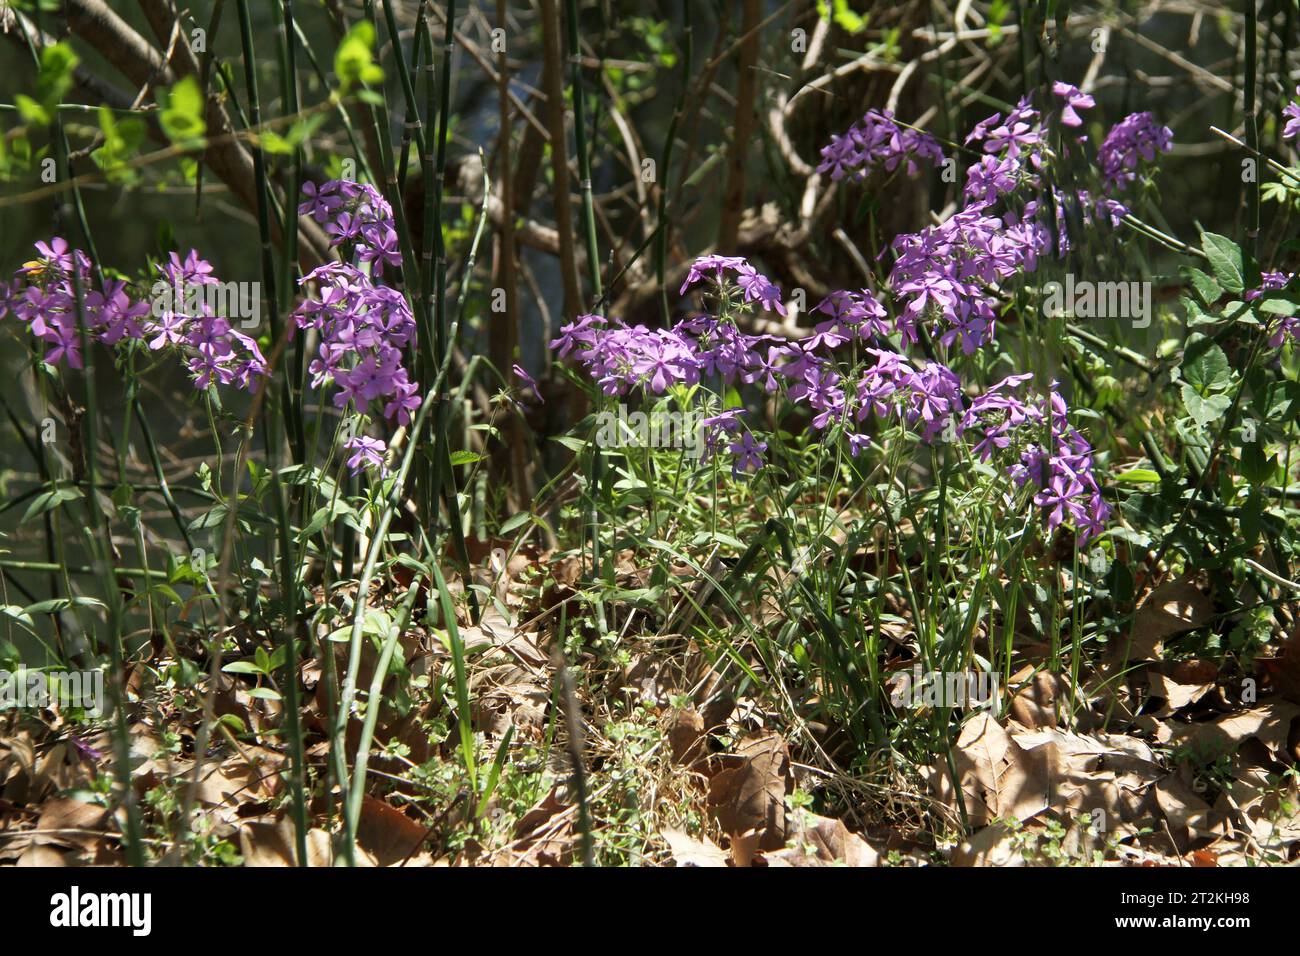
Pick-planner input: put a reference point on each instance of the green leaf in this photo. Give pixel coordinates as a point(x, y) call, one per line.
point(242, 667)
point(48, 501)
point(517, 521)
point(55, 605)
point(182, 116)
point(1140, 476)
point(1205, 367)
point(1256, 467)
point(58, 61)
point(1204, 408)
point(20, 617)
point(576, 445)
point(1278, 307)
point(1206, 288)
point(465, 457)
point(32, 111)
point(1225, 261)
point(354, 60)
point(273, 142)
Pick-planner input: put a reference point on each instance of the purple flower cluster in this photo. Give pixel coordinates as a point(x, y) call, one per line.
point(877, 141)
point(1288, 325)
point(947, 279)
point(947, 276)
point(945, 273)
point(1136, 137)
point(1018, 136)
point(363, 328)
point(927, 395)
point(363, 325)
point(357, 216)
point(43, 295)
point(1063, 481)
point(755, 286)
point(218, 354)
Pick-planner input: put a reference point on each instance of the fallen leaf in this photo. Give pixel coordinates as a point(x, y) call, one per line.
point(271, 843)
point(822, 841)
point(685, 734)
point(1175, 607)
point(388, 834)
point(691, 851)
point(750, 796)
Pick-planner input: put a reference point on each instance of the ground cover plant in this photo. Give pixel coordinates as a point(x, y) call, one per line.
point(724, 434)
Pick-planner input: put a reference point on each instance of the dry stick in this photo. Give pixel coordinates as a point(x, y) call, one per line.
point(505, 341)
point(1252, 126)
point(593, 262)
point(573, 723)
point(553, 82)
point(733, 199)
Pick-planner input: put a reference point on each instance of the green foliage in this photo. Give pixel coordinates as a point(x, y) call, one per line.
point(58, 61)
point(182, 116)
point(1206, 380)
point(843, 15)
point(354, 61)
point(122, 139)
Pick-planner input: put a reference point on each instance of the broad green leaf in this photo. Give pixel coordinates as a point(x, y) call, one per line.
point(1225, 261)
point(1205, 367)
point(1204, 408)
point(242, 667)
point(1206, 288)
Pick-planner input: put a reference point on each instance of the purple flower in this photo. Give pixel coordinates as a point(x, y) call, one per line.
point(877, 141)
point(1075, 99)
point(1268, 282)
point(366, 453)
point(748, 452)
point(581, 331)
point(758, 288)
point(992, 178)
point(1136, 137)
point(364, 326)
point(1292, 114)
point(980, 131)
point(190, 271)
point(712, 267)
point(530, 383)
point(1018, 133)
